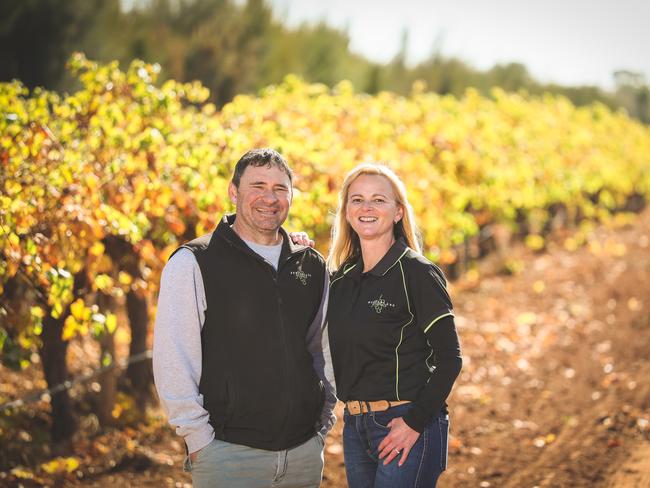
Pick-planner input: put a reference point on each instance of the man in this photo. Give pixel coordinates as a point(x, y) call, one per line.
point(241, 359)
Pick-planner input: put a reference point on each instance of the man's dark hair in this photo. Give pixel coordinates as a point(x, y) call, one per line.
point(260, 157)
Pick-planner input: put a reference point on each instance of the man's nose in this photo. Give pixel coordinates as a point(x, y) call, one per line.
point(270, 195)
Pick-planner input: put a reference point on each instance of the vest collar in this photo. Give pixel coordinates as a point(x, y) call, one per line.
point(225, 231)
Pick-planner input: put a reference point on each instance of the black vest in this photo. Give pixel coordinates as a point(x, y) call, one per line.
point(257, 381)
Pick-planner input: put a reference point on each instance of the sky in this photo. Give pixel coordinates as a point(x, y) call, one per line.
point(571, 42)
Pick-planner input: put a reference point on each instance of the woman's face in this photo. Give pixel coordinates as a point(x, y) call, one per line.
point(371, 208)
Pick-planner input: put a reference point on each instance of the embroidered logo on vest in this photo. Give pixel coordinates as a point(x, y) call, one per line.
point(300, 275)
point(379, 304)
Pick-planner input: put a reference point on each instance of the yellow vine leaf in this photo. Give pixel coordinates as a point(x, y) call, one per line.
point(111, 322)
point(77, 309)
point(14, 240)
point(22, 473)
point(103, 282)
point(125, 278)
point(61, 465)
point(70, 327)
point(97, 249)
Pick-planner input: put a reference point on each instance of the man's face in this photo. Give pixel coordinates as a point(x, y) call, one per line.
point(262, 199)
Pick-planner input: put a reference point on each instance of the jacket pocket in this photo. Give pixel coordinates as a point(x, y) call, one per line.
point(220, 402)
point(231, 398)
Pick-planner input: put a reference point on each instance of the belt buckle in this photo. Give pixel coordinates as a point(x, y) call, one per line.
point(359, 403)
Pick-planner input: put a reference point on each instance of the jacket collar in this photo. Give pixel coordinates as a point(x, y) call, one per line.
point(390, 259)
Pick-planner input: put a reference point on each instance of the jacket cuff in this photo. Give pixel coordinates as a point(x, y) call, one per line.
point(416, 420)
point(326, 424)
point(199, 439)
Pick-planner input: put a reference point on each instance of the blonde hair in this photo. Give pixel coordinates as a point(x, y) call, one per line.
point(345, 241)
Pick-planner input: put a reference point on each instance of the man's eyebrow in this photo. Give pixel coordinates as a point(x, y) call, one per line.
point(262, 182)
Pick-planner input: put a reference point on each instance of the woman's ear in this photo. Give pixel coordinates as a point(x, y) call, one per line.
point(399, 215)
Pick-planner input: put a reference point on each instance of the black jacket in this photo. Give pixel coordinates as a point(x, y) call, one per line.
point(257, 379)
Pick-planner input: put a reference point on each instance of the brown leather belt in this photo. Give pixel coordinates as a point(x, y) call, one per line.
point(357, 407)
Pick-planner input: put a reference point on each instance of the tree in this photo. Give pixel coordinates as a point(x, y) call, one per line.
point(633, 93)
point(37, 36)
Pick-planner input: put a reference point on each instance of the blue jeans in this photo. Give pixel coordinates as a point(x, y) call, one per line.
point(361, 437)
point(221, 464)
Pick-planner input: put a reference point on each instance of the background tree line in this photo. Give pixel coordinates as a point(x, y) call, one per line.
point(240, 47)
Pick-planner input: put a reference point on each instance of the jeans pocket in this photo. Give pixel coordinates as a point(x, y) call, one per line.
point(381, 421)
point(443, 425)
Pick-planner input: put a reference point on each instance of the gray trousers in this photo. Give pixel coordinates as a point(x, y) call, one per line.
point(222, 464)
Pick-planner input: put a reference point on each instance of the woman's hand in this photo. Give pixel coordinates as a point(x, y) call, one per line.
point(301, 238)
point(400, 439)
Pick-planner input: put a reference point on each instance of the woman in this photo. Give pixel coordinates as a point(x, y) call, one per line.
point(392, 337)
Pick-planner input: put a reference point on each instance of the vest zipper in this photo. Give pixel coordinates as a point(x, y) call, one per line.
point(288, 369)
point(275, 274)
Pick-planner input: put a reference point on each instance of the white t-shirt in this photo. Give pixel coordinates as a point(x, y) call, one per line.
point(270, 253)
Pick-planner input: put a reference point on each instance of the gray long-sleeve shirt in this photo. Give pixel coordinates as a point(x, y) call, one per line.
point(177, 353)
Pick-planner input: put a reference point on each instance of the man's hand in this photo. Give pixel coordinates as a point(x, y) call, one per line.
point(301, 238)
point(399, 440)
point(194, 455)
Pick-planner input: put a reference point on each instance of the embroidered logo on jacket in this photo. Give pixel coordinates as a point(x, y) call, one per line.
point(379, 304)
point(300, 275)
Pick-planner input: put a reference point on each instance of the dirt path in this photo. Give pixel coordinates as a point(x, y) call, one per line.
point(635, 472)
point(554, 391)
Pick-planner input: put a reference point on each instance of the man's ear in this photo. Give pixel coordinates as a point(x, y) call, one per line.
point(232, 193)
